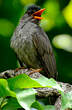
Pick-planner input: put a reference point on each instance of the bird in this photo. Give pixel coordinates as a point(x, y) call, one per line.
point(32, 45)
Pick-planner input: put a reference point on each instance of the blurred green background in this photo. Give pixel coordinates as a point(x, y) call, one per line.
point(57, 23)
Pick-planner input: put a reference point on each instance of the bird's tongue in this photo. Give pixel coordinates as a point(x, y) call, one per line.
point(37, 14)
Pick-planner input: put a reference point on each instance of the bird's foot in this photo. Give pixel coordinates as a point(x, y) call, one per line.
point(35, 70)
point(17, 69)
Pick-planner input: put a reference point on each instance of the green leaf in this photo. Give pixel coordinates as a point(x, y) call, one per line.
point(63, 41)
point(3, 101)
point(37, 105)
point(6, 27)
point(67, 12)
point(26, 2)
point(40, 106)
point(12, 104)
point(26, 97)
point(4, 89)
point(51, 83)
point(1, 98)
point(49, 107)
point(22, 81)
point(52, 14)
point(66, 100)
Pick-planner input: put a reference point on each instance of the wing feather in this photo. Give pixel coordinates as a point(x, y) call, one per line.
point(45, 52)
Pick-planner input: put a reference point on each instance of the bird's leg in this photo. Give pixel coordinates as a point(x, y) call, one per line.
point(17, 69)
point(35, 70)
point(32, 69)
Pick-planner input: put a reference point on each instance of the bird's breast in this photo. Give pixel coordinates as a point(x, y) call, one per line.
point(24, 47)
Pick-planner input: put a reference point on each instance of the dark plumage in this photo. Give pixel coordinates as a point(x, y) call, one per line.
point(32, 46)
point(33, 8)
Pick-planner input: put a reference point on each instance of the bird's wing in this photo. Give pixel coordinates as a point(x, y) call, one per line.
point(44, 49)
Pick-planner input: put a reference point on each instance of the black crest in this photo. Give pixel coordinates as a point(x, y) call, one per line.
point(33, 8)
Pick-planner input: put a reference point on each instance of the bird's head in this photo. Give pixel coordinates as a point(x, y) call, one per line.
point(35, 12)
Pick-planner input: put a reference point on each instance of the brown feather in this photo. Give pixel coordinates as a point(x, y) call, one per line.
point(45, 51)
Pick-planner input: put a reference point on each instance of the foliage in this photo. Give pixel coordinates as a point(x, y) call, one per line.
point(58, 25)
point(66, 100)
point(18, 92)
point(56, 22)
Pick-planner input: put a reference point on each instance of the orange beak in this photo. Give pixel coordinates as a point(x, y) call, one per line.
point(37, 14)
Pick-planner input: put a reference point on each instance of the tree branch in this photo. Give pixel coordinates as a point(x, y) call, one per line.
point(51, 93)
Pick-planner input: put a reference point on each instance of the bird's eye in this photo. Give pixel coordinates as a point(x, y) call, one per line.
point(29, 12)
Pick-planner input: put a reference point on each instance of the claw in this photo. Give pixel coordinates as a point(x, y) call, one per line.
point(35, 70)
point(17, 69)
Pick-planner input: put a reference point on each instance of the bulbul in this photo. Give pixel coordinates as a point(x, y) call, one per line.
point(31, 44)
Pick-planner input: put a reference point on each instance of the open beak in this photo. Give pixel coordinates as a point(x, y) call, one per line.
point(37, 14)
